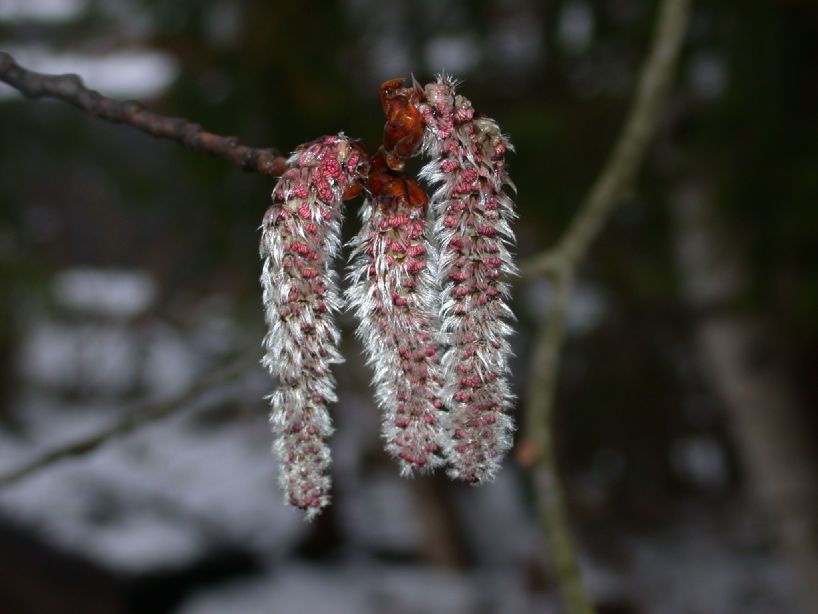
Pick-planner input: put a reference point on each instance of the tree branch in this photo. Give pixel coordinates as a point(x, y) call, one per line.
point(626, 157)
point(70, 89)
point(537, 427)
point(128, 423)
point(561, 262)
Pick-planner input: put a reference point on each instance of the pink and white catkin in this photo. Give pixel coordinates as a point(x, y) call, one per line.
point(300, 236)
point(473, 231)
point(392, 293)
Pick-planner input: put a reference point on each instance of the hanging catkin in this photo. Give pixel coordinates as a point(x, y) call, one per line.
point(300, 238)
point(472, 228)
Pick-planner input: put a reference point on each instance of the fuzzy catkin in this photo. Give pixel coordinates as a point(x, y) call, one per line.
point(472, 227)
point(299, 240)
point(392, 293)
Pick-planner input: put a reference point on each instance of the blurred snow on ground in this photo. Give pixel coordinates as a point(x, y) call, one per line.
point(292, 589)
point(489, 513)
point(380, 514)
point(164, 495)
point(213, 327)
point(170, 360)
point(115, 293)
point(357, 423)
point(98, 350)
point(354, 589)
point(41, 10)
point(47, 355)
point(99, 357)
point(167, 495)
point(704, 565)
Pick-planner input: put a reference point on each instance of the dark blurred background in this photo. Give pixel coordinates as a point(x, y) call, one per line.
point(686, 423)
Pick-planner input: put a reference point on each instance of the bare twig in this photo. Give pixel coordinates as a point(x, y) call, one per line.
point(547, 487)
point(561, 262)
point(626, 157)
point(70, 89)
point(128, 423)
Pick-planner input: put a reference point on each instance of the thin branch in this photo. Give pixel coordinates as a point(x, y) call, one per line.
point(537, 427)
point(70, 89)
point(629, 151)
point(561, 262)
point(130, 422)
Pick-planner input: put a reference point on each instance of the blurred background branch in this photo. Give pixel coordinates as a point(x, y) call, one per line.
point(560, 264)
point(70, 89)
point(133, 420)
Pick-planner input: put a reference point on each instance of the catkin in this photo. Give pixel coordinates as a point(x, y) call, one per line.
point(300, 237)
point(472, 229)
